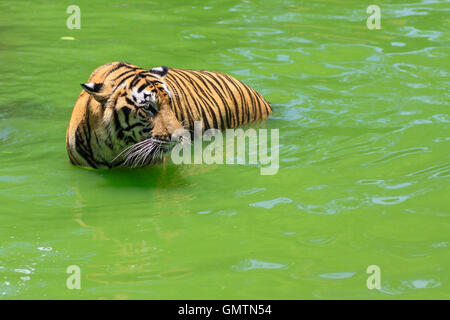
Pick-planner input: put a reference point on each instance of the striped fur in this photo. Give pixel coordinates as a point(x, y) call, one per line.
point(123, 105)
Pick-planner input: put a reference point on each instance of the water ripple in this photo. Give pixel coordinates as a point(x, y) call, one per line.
point(269, 204)
point(252, 264)
point(389, 200)
point(337, 275)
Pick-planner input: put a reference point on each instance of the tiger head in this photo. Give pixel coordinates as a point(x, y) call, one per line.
point(137, 115)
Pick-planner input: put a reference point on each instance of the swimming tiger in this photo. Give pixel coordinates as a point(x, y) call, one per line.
point(123, 106)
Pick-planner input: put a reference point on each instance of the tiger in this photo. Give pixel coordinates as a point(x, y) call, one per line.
point(125, 115)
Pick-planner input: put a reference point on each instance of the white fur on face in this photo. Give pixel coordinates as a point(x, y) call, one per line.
point(167, 89)
point(144, 97)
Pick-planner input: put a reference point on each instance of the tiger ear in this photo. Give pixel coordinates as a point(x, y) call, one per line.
point(160, 71)
point(95, 90)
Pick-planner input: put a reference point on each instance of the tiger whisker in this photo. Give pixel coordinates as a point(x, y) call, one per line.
point(130, 149)
point(143, 153)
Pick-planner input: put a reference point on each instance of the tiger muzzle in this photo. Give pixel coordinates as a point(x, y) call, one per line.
point(165, 124)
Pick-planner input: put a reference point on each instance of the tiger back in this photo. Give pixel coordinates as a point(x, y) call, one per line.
point(217, 99)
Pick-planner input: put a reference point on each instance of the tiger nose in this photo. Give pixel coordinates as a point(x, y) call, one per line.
point(177, 136)
point(164, 138)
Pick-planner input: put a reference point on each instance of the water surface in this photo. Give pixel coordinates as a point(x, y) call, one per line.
point(364, 155)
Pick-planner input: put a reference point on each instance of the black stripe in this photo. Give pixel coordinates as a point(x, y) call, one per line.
point(226, 85)
point(136, 79)
point(117, 67)
point(142, 87)
point(251, 98)
point(72, 157)
point(129, 101)
point(123, 80)
point(199, 107)
point(229, 114)
point(211, 100)
point(130, 127)
point(126, 112)
point(258, 108)
point(176, 107)
point(208, 105)
point(183, 105)
point(242, 96)
point(126, 72)
point(82, 151)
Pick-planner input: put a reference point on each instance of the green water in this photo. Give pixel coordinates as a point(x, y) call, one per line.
point(364, 155)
